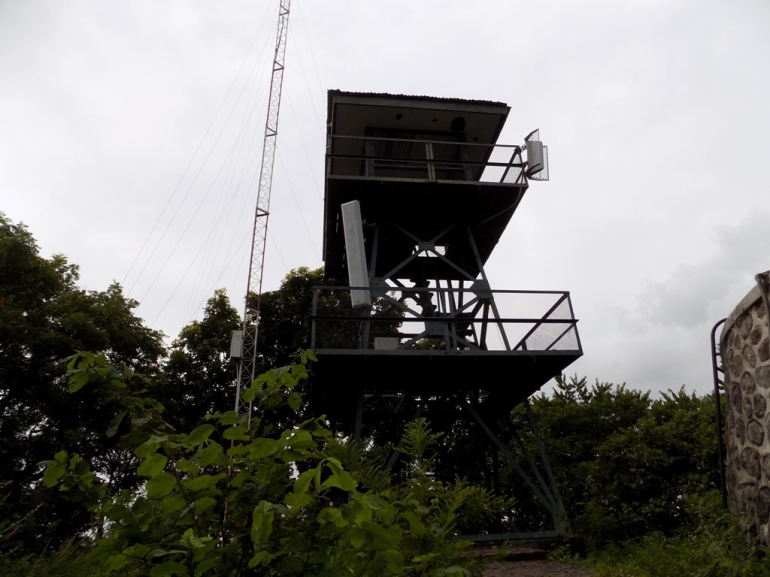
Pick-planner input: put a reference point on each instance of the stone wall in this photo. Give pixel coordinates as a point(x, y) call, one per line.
point(745, 349)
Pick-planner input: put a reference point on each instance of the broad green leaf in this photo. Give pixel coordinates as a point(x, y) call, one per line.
point(202, 482)
point(188, 467)
point(238, 450)
point(168, 569)
point(71, 362)
point(311, 355)
point(294, 401)
point(302, 444)
point(240, 479)
point(152, 465)
point(296, 501)
point(329, 515)
point(62, 457)
point(202, 505)
point(394, 561)
point(303, 482)
point(299, 371)
point(416, 526)
point(200, 434)
point(156, 553)
point(248, 395)
point(358, 538)
point(262, 523)
point(261, 448)
point(77, 382)
point(381, 539)
point(205, 565)
point(375, 502)
point(290, 455)
point(210, 455)
point(116, 562)
point(237, 433)
point(342, 481)
point(53, 472)
point(261, 558)
point(229, 418)
point(145, 449)
point(137, 551)
point(172, 503)
point(160, 485)
point(112, 429)
point(288, 380)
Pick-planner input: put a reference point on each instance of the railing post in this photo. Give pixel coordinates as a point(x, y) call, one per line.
point(312, 318)
point(429, 157)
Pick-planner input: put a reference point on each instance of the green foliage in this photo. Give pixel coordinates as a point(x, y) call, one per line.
point(625, 464)
point(244, 498)
point(70, 560)
point(285, 314)
point(199, 375)
point(44, 318)
point(710, 547)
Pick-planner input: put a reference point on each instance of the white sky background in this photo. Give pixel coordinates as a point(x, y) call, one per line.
point(656, 218)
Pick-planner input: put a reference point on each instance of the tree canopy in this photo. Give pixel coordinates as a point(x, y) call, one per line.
point(199, 375)
point(626, 464)
point(44, 318)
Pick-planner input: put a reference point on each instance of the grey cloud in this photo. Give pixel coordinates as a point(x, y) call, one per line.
point(684, 299)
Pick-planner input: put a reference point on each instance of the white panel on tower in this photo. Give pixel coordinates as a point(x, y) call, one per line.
point(356, 253)
point(236, 345)
point(534, 157)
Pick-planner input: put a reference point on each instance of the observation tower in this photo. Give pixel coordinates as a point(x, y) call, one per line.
point(418, 192)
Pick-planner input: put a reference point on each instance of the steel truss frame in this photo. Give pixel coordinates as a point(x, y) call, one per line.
point(248, 360)
point(463, 312)
point(450, 305)
point(542, 483)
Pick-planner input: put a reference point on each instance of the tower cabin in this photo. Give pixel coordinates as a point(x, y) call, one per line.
point(418, 192)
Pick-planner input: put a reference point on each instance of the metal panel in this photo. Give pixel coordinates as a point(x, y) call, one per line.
point(356, 253)
point(236, 345)
point(534, 157)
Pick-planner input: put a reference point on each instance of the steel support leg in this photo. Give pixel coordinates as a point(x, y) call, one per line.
point(544, 496)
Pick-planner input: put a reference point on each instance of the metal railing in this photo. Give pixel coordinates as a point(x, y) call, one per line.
point(431, 160)
point(444, 320)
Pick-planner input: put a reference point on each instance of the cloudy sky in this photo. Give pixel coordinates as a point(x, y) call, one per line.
point(130, 137)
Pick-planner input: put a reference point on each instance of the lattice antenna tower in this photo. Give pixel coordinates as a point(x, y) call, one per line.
point(244, 344)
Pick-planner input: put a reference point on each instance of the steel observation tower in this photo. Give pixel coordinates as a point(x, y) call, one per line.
point(418, 193)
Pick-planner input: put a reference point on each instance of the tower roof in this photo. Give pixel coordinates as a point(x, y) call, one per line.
point(351, 113)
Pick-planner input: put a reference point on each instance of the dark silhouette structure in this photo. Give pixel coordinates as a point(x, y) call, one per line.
point(418, 193)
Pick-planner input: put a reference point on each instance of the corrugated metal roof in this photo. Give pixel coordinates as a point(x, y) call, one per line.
point(334, 92)
point(418, 97)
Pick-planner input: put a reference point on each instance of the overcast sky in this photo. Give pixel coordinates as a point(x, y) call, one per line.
point(130, 136)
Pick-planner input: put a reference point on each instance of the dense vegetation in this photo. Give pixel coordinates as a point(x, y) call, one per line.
point(637, 473)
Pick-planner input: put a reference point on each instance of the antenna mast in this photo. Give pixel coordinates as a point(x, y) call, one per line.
point(245, 344)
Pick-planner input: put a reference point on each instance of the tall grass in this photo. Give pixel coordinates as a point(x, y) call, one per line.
point(709, 547)
point(69, 561)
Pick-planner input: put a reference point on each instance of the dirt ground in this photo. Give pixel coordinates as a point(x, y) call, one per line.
point(539, 568)
point(524, 561)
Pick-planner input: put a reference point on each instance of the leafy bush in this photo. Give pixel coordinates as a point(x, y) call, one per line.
point(625, 464)
point(238, 498)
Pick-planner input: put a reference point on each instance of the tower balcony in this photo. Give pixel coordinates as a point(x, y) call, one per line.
point(525, 338)
point(423, 185)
